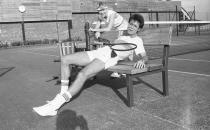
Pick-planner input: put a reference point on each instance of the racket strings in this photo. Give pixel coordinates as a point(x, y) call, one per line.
point(115, 47)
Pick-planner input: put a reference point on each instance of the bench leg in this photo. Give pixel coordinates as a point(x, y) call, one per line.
point(165, 83)
point(129, 84)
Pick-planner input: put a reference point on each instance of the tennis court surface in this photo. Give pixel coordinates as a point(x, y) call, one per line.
point(28, 79)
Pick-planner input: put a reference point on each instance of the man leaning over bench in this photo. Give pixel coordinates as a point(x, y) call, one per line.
point(94, 62)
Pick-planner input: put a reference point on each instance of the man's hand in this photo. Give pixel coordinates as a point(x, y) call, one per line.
point(140, 64)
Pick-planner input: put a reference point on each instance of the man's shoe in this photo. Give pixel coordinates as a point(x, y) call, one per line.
point(50, 109)
point(45, 110)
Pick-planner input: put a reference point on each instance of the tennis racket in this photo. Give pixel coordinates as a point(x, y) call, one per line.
point(116, 46)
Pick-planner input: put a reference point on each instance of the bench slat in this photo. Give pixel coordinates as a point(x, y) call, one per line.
point(127, 68)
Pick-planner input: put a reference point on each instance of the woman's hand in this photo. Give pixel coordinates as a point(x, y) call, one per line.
point(140, 64)
point(92, 30)
point(97, 34)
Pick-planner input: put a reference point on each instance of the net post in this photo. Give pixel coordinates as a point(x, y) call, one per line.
point(23, 32)
point(194, 18)
point(169, 15)
point(177, 27)
point(87, 36)
point(165, 70)
point(69, 29)
point(157, 19)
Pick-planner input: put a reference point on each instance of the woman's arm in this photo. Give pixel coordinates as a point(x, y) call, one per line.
point(109, 27)
point(98, 24)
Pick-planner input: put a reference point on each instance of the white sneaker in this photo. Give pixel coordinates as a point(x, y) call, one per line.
point(50, 109)
point(115, 75)
point(45, 110)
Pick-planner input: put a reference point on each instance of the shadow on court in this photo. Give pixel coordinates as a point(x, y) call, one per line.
point(69, 120)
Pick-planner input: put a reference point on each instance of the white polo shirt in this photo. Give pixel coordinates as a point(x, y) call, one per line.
point(119, 22)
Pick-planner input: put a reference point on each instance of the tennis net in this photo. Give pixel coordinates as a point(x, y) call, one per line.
point(187, 37)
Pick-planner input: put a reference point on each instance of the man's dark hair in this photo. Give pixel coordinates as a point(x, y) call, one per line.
point(139, 18)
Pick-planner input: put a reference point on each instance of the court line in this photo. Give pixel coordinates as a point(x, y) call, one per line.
point(39, 53)
point(183, 72)
point(190, 60)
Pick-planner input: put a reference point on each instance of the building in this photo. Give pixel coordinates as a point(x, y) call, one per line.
point(62, 9)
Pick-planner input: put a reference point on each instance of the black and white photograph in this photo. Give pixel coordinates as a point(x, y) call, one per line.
point(104, 65)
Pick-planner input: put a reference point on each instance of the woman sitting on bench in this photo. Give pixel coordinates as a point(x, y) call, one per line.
point(94, 62)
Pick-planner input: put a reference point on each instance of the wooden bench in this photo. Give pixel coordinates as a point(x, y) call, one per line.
point(151, 37)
